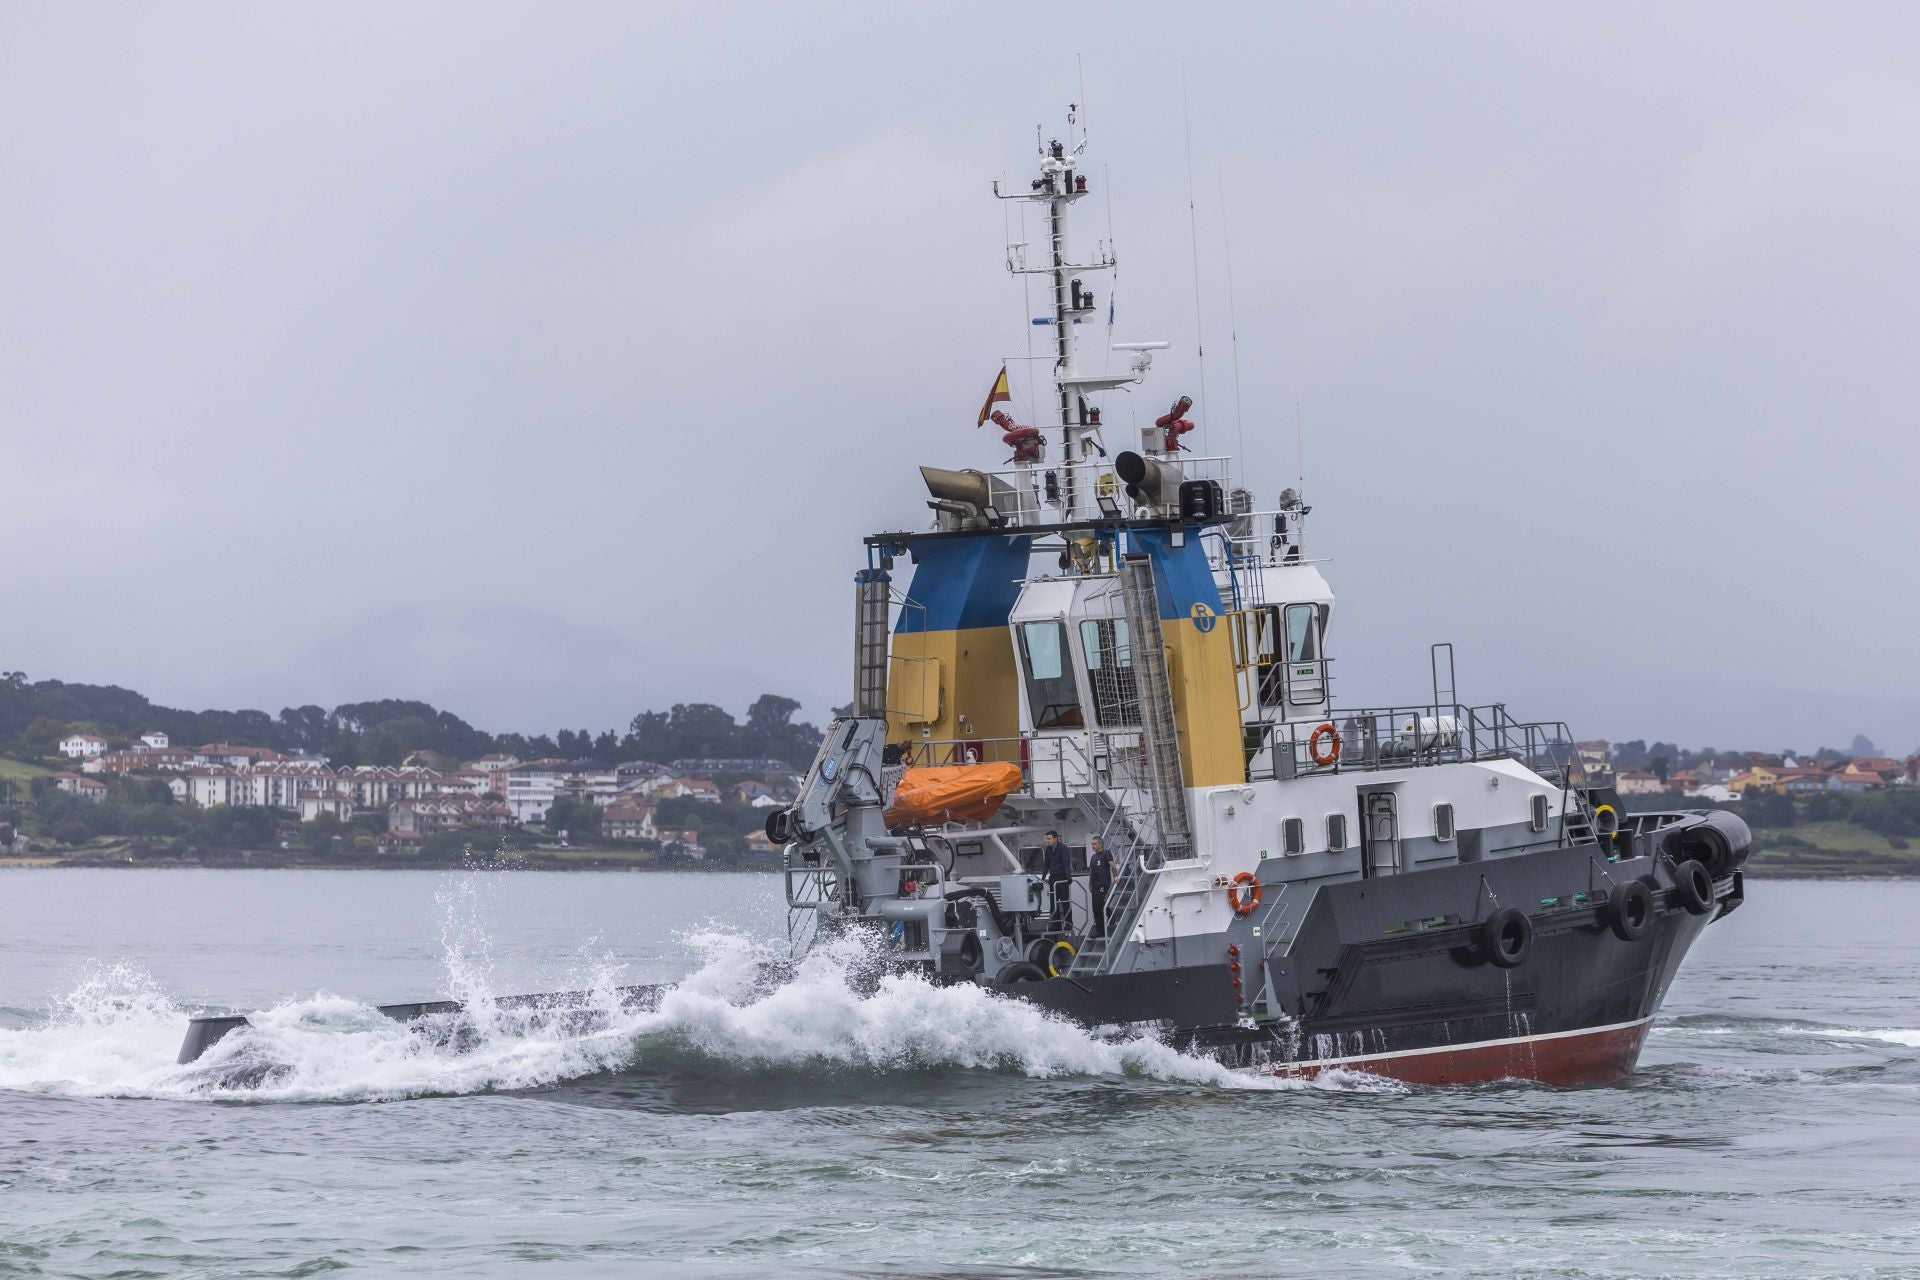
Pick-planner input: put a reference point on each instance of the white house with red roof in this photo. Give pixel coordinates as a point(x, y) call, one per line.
point(629, 819)
point(76, 784)
point(82, 746)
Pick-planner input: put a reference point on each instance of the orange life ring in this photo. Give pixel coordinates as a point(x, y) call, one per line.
point(1243, 906)
point(1331, 736)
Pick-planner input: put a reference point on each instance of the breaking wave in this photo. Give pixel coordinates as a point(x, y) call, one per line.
point(117, 1033)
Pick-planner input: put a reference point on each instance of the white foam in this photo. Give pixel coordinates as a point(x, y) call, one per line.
point(109, 1034)
point(1908, 1037)
point(116, 1034)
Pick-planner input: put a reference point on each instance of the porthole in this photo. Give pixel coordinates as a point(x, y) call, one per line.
point(1336, 832)
point(1293, 835)
point(1443, 822)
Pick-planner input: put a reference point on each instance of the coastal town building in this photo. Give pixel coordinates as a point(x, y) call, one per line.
point(676, 788)
point(227, 753)
point(629, 820)
point(533, 787)
point(596, 783)
point(411, 821)
point(495, 766)
point(640, 771)
point(80, 785)
point(315, 804)
point(1878, 768)
point(82, 746)
point(469, 782)
point(430, 792)
point(143, 757)
point(761, 795)
point(205, 787)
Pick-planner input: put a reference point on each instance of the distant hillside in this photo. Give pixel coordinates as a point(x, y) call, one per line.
point(36, 715)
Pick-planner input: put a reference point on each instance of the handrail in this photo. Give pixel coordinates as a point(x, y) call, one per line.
point(1413, 735)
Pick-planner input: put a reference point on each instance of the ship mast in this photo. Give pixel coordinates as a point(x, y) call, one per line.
point(1058, 187)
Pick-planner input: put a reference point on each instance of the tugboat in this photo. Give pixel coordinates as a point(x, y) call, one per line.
point(1114, 640)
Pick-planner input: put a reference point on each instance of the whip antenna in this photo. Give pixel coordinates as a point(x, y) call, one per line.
point(1300, 445)
point(1233, 327)
point(1193, 233)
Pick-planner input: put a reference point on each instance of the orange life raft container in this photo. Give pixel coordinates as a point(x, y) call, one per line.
point(952, 793)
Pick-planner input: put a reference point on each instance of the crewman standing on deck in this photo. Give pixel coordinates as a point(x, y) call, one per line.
point(1057, 866)
point(1099, 884)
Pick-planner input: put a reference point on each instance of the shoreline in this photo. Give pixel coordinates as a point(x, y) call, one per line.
point(279, 862)
point(57, 862)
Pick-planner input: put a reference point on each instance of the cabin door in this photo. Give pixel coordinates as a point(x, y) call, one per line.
point(1379, 834)
point(1306, 668)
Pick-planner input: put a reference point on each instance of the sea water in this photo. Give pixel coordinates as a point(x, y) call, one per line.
point(833, 1127)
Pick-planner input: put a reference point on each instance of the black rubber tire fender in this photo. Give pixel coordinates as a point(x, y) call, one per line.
point(1695, 886)
point(1506, 937)
point(1630, 910)
point(1024, 971)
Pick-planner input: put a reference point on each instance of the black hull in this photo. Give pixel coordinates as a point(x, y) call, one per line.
point(1393, 976)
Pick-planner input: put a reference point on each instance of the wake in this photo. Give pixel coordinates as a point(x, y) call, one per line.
point(117, 1032)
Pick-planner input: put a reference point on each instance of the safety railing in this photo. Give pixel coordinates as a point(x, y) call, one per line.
point(1051, 766)
point(1054, 493)
point(1404, 737)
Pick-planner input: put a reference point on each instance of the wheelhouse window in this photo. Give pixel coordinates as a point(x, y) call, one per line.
point(1443, 822)
point(1336, 832)
point(1293, 835)
point(1052, 692)
point(1116, 697)
point(1303, 633)
point(1539, 812)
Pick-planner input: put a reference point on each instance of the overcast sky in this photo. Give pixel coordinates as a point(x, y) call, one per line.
point(547, 362)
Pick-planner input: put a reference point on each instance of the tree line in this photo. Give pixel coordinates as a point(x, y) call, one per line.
point(36, 715)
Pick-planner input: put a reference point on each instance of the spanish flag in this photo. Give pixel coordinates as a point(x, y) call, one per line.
point(999, 395)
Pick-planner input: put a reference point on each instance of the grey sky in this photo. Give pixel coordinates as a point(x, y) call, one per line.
point(548, 363)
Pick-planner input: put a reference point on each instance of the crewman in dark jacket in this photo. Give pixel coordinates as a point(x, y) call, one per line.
point(1099, 884)
point(1057, 866)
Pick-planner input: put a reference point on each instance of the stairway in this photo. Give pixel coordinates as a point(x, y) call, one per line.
point(1159, 739)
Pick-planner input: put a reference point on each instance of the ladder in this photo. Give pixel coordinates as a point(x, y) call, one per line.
point(1271, 944)
point(871, 601)
point(1160, 741)
point(1160, 763)
point(1576, 822)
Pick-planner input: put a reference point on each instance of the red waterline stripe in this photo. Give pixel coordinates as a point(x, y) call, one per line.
point(1589, 1055)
